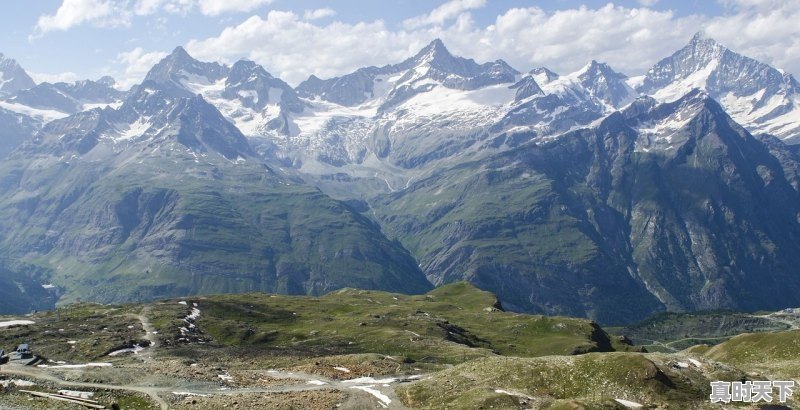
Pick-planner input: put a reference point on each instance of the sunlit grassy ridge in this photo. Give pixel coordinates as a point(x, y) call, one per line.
point(449, 324)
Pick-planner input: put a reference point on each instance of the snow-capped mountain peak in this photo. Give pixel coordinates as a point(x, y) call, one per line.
point(434, 53)
point(606, 85)
point(12, 76)
point(432, 66)
point(758, 96)
point(181, 74)
point(543, 75)
point(660, 126)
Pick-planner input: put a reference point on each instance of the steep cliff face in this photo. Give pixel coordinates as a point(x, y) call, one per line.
point(163, 196)
point(669, 206)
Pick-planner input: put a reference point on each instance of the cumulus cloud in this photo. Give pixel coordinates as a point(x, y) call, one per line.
point(318, 13)
point(630, 39)
point(116, 13)
point(443, 13)
point(217, 7)
point(766, 30)
point(100, 13)
point(136, 63)
point(292, 47)
point(648, 3)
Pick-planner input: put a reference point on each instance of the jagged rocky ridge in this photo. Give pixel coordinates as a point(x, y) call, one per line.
point(670, 206)
point(563, 194)
point(163, 196)
point(758, 96)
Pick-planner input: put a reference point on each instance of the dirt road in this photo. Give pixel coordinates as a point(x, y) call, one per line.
point(379, 390)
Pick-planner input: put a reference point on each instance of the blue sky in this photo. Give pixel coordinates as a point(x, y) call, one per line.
point(72, 39)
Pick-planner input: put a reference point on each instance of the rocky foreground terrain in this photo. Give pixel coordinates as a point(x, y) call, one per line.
point(454, 347)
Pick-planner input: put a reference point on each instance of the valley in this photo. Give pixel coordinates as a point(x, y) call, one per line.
point(428, 232)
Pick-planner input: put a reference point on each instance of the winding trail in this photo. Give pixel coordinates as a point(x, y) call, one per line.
point(35, 373)
point(149, 334)
point(380, 390)
point(210, 388)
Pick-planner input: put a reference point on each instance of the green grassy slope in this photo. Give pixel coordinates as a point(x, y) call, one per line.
point(447, 325)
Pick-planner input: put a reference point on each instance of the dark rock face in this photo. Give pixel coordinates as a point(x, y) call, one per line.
point(163, 196)
point(14, 130)
point(613, 223)
point(563, 195)
point(526, 87)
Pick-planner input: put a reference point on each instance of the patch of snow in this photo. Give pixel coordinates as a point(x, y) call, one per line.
point(226, 377)
point(196, 84)
point(91, 106)
point(316, 382)
point(48, 286)
point(629, 404)
point(16, 322)
point(76, 366)
point(342, 369)
point(194, 315)
point(186, 393)
point(696, 363)
point(17, 382)
point(189, 319)
point(135, 129)
point(183, 302)
point(382, 397)
point(41, 115)
point(635, 82)
point(682, 365)
point(501, 391)
point(678, 89)
point(72, 342)
point(76, 393)
point(660, 133)
point(758, 119)
point(442, 100)
point(370, 380)
point(248, 94)
point(135, 350)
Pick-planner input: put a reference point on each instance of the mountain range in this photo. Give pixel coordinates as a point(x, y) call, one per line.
point(588, 194)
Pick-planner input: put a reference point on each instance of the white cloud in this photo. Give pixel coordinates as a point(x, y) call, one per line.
point(443, 13)
point(136, 64)
point(766, 30)
point(100, 13)
point(66, 77)
point(293, 48)
point(318, 13)
point(217, 7)
point(630, 39)
point(648, 3)
point(116, 13)
point(295, 45)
